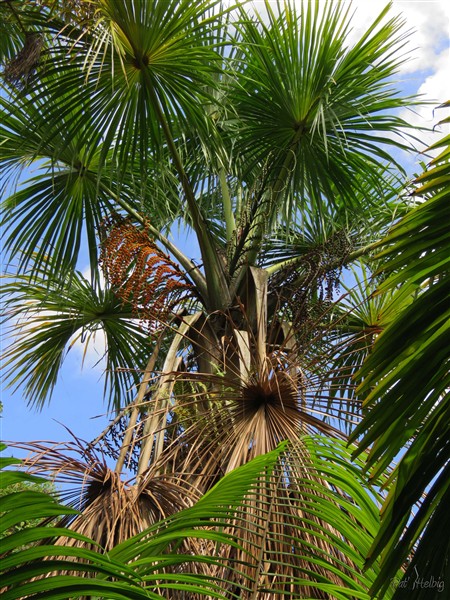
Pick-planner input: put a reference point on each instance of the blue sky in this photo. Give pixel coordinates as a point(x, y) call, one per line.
point(78, 397)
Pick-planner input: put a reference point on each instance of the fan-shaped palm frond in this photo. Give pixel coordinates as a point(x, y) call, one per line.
point(306, 100)
point(359, 317)
point(64, 204)
point(104, 75)
point(48, 317)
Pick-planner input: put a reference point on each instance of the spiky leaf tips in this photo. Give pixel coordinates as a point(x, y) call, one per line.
point(407, 394)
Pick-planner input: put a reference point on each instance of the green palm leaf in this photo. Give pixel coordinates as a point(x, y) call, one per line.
point(407, 379)
point(47, 317)
point(316, 108)
point(63, 205)
point(360, 317)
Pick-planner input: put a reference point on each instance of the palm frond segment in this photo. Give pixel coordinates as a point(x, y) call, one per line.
point(407, 382)
point(46, 318)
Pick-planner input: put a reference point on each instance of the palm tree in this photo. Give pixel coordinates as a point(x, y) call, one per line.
point(267, 137)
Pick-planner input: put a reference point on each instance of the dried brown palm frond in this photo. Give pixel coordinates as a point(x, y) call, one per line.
point(220, 430)
point(19, 69)
point(242, 373)
point(112, 509)
point(225, 394)
point(264, 391)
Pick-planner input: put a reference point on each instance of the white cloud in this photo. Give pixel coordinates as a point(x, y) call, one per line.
point(428, 21)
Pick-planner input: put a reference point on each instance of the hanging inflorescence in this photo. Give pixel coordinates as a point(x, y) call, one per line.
point(308, 287)
point(139, 272)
